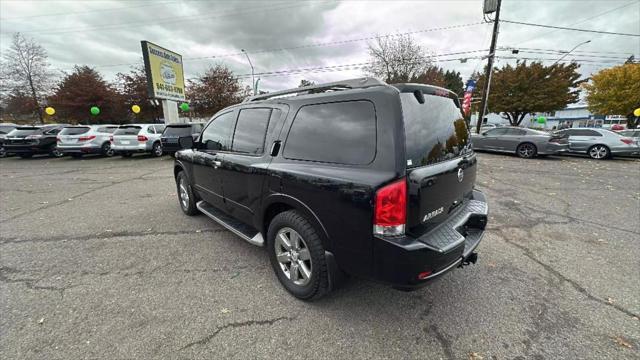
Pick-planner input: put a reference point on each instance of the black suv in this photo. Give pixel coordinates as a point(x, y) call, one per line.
point(355, 177)
point(173, 132)
point(26, 141)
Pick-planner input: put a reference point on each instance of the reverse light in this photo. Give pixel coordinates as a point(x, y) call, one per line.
point(390, 211)
point(142, 138)
point(86, 138)
point(627, 141)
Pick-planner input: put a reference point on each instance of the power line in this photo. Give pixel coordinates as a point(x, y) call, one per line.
point(554, 52)
point(568, 28)
point(583, 20)
point(575, 51)
point(88, 11)
point(166, 20)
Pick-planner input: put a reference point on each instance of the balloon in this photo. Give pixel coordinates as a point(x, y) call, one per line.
point(95, 110)
point(135, 109)
point(636, 112)
point(542, 120)
point(184, 106)
point(50, 111)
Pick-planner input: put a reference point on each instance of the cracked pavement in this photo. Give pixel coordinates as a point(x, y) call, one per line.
point(98, 261)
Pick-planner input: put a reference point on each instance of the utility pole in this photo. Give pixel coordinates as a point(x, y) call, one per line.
point(487, 75)
point(253, 76)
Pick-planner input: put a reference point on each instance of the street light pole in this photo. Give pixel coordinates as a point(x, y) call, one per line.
point(253, 77)
point(569, 52)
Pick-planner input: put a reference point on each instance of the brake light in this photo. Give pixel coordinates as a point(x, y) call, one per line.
point(627, 141)
point(142, 138)
point(86, 138)
point(390, 212)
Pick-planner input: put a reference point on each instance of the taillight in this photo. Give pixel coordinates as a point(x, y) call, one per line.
point(390, 212)
point(627, 141)
point(58, 139)
point(142, 138)
point(86, 138)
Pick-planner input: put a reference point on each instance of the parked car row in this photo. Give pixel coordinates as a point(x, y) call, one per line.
point(528, 143)
point(59, 140)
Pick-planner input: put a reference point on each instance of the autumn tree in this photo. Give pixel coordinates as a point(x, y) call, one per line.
point(397, 59)
point(133, 88)
point(82, 89)
point(432, 75)
point(214, 90)
point(19, 104)
point(531, 88)
point(25, 69)
point(615, 91)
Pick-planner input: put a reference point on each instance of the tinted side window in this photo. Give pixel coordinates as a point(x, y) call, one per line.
point(495, 132)
point(251, 129)
point(591, 133)
point(217, 136)
point(342, 132)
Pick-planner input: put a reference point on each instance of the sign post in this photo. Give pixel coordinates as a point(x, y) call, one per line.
point(165, 78)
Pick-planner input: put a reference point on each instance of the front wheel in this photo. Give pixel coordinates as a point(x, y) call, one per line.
point(185, 195)
point(3, 152)
point(599, 152)
point(56, 153)
point(156, 150)
point(526, 150)
point(297, 256)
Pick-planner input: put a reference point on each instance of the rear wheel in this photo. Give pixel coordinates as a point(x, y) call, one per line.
point(185, 195)
point(156, 150)
point(297, 256)
point(106, 149)
point(526, 150)
point(26, 156)
point(599, 152)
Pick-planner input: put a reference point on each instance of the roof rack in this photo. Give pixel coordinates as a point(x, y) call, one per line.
point(333, 86)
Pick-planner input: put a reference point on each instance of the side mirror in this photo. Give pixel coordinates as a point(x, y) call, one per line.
point(186, 142)
point(484, 133)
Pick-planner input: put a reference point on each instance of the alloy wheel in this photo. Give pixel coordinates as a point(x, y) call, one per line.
point(598, 152)
point(293, 256)
point(56, 153)
point(157, 150)
point(526, 151)
point(184, 194)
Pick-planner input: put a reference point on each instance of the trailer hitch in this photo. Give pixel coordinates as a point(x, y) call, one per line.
point(471, 259)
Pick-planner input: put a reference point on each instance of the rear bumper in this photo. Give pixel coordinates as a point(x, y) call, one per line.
point(398, 261)
point(83, 149)
point(130, 148)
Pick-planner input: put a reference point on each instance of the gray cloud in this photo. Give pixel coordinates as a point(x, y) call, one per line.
point(109, 32)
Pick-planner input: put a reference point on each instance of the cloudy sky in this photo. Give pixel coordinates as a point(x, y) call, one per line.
point(319, 36)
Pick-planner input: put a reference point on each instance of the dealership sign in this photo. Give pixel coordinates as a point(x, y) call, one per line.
point(165, 74)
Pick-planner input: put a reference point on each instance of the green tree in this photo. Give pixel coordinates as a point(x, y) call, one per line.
point(82, 89)
point(615, 91)
point(530, 88)
point(453, 82)
point(305, 82)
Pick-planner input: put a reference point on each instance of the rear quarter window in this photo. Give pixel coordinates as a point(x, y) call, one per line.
point(130, 130)
point(435, 131)
point(340, 132)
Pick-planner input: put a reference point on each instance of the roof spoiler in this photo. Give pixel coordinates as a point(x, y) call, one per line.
point(359, 83)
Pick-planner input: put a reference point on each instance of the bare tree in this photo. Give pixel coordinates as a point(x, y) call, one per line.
point(397, 59)
point(25, 69)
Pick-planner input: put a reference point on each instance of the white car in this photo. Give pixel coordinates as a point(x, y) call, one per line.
point(137, 138)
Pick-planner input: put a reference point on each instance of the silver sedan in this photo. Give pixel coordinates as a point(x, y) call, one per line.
point(599, 143)
point(526, 143)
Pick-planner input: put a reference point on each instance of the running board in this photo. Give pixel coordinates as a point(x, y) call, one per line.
point(241, 229)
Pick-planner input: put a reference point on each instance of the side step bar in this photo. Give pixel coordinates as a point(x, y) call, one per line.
point(246, 232)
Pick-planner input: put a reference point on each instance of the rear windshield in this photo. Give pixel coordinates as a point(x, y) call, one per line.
point(434, 131)
point(25, 131)
point(74, 130)
point(177, 131)
point(6, 129)
point(107, 129)
point(129, 130)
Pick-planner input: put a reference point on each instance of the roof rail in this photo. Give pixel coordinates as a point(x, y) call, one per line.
point(332, 86)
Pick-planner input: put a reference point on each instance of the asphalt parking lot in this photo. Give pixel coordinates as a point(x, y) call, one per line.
point(98, 261)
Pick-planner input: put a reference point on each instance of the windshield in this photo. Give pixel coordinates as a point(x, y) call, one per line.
point(129, 130)
point(74, 130)
point(435, 131)
point(177, 131)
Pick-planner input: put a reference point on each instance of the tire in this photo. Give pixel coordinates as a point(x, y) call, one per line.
point(526, 150)
point(311, 279)
point(3, 152)
point(56, 153)
point(106, 149)
point(26, 156)
point(156, 150)
point(186, 198)
point(126, 155)
point(599, 152)
point(76, 156)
